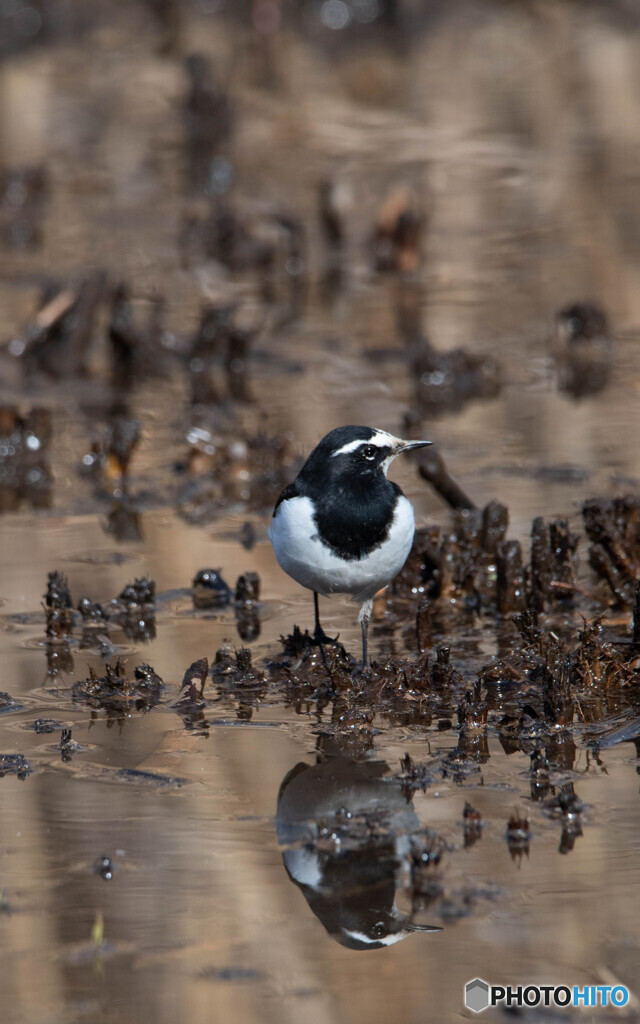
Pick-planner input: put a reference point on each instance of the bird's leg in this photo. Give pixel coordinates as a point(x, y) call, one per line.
point(319, 634)
point(316, 607)
point(363, 617)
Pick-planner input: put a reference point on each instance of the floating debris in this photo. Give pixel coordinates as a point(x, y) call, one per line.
point(237, 678)
point(59, 657)
point(191, 703)
point(209, 590)
point(565, 804)
point(626, 733)
point(45, 726)
point(58, 606)
point(518, 836)
point(115, 692)
point(415, 776)
point(472, 712)
point(57, 597)
point(141, 592)
point(583, 349)
point(473, 825)
point(134, 609)
point(155, 779)
point(236, 668)
point(15, 764)
point(91, 611)
point(194, 681)
point(7, 703)
point(68, 746)
point(103, 866)
point(231, 973)
point(247, 606)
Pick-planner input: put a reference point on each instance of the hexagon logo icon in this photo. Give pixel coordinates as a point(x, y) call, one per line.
point(476, 995)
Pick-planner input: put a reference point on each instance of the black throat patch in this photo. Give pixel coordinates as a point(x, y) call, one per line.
point(353, 523)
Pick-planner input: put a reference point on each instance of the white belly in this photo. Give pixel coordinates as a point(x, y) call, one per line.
point(302, 555)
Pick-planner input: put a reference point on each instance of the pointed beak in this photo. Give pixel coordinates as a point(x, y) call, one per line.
point(409, 446)
point(423, 928)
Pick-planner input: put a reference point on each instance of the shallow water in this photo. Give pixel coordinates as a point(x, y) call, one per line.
point(200, 916)
point(201, 920)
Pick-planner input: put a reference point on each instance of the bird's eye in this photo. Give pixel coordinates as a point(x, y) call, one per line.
point(378, 930)
point(368, 451)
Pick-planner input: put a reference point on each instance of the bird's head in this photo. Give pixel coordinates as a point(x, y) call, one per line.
point(356, 451)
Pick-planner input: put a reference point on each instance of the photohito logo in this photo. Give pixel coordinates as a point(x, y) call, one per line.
point(479, 994)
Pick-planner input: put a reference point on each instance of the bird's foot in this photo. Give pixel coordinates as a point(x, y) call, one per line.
point(321, 637)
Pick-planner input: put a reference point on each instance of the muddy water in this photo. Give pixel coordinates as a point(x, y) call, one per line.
point(200, 916)
point(521, 145)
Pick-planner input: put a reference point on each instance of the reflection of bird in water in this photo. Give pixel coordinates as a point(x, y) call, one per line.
point(352, 880)
point(583, 349)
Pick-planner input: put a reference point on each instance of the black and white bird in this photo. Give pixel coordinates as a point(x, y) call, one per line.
point(342, 527)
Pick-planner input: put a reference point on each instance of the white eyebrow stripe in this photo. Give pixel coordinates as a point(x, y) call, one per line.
point(351, 447)
point(386, 940)
point(380, 438)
